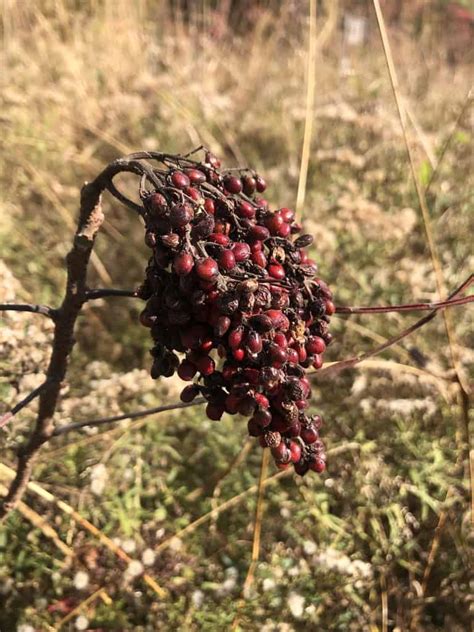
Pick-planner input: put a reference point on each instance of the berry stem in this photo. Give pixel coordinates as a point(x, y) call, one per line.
point(106, 292)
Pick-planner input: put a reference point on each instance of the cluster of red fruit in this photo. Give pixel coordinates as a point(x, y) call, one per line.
point(229, 288)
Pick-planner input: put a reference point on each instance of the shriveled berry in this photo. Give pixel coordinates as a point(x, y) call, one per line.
point(181, 215)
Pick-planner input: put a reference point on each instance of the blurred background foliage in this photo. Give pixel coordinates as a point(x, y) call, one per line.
point(383, 540)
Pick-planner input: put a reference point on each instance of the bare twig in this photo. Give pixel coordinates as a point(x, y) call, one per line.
point(337, 367)
point(413, 307)
point(136, 415)
point(5, 418)
point(90, 221)
point(27, 307)
point(107, 292)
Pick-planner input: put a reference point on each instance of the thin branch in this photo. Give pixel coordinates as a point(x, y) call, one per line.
point(5, 418)
point(106, 292)
point(44, 310)
point(351, 362)
point(90, 220)
point(414, 307)
point(136, 415)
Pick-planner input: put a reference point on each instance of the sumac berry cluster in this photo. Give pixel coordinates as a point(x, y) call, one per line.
point(234, 303)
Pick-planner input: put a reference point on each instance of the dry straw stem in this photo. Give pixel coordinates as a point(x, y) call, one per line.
point(440, 283)
point(8, 474)
point(100, 593)
point(42, 524)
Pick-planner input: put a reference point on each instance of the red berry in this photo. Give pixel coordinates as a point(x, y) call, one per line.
point(317, 362)
point(239, 354)
point(259, 233)
point(253, 342)
point(295, 451)
point(254, 429)
point(262, 418)
point(309, 434)
point(183, 263)
point(235, 337)
point(249, 185)
point(212, 160)
point(181, 215)
point(222, 325)
point(214, 411)
point(288, 214)
point(180, 180)
point(278, 318)
point(205, 365)
point(219, 238)
point(284, 231)
point(330, 308)
point(292, 356)
point(259, 258)
point(209, 206)
point(276, 270)
point(196, 176)
point(317, 465)
point(315, 344)
point(207, 269)
point(246, 210)
point(186, 370)
point(241, 251)
point(193, 193)
point(274, 223)
point(280, 339)
point(227, 260)
point(261, 184)
point(232, 184)
point(189, 393)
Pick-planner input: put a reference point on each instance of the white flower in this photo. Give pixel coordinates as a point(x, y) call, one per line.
point(148, 557)
point(268, 584)
point(309, 547)
point(82, 622)
point(81, 580)
point(129, 545)
point(134, 569)
point(296, 604)
point(197, 598)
